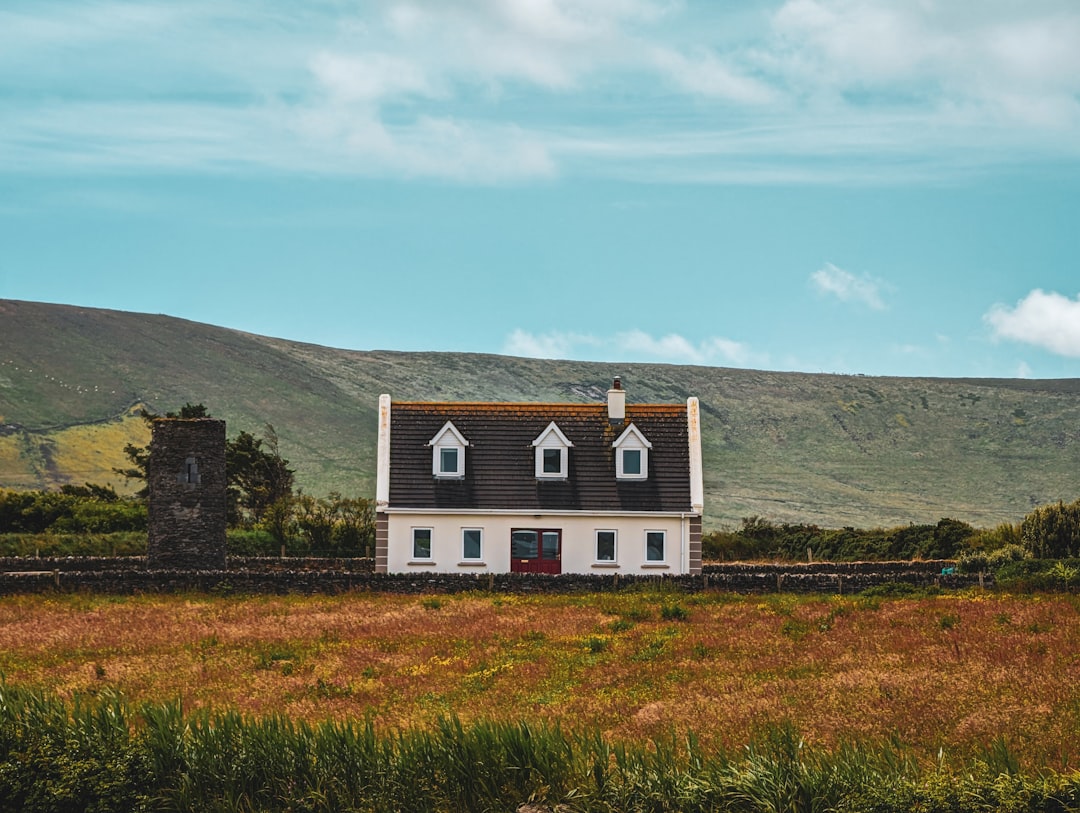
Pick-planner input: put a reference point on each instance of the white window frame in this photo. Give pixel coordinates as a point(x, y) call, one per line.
point(448, 438)
point(614, 546)
point(631, 440)
point(552, 438)
point(478, 558)
point(431, 545)
point(645, 541)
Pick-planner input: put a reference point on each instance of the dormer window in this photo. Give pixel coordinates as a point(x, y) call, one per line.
point(448, 453)
point(552, 453)
point(632, 455)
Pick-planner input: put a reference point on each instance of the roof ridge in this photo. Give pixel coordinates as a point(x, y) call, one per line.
point(560, 404)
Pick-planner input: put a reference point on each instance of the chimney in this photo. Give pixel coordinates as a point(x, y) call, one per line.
point(616, 402)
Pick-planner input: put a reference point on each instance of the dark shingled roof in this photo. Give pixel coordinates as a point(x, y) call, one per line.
point(500, 458)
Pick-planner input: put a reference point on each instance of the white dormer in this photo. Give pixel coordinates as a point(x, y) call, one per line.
point(552, 454)
point(448, 452)
point(631, 455)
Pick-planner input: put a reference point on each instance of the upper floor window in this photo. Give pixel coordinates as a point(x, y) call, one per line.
point(552, 454)
point(448, 452)
point(632, 455)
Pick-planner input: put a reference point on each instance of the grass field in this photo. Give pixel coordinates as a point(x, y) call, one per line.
point(963, 672)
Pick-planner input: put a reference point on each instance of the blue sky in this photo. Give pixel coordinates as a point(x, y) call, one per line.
point(882, 187)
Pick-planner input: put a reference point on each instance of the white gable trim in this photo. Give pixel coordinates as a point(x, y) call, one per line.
point(543, 438)
point(448, 427)
point(626, 438)
point(637, 445)
point(550, 439)
point(382, 476)
point(697, 480)
point(448, 439)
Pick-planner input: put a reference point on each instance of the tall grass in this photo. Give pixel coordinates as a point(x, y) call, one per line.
point(103, 756)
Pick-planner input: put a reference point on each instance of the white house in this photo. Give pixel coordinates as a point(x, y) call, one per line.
point(539, 488)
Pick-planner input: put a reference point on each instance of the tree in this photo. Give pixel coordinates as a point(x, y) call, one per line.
point(256, 473)
point(258, 477)
point(1052, 531)
point(336, 525)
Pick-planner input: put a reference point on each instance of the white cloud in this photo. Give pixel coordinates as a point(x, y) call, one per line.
point(1023, 370)
point(493, 90)
point(996, 63)
point(369, 77)
point(553, 345)
point(632, 345)
point(1047, 320)
point(707, 75)
point(847, 287)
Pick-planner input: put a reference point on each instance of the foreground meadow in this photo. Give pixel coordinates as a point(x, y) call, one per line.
point(966, 673)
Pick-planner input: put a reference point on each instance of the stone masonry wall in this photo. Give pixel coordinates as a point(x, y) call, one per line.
point(251, 576)
point(186, 478)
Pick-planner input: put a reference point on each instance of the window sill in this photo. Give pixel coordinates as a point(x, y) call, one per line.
point(420, 562)
point(449, 476)
point(656, 566)
point(606, 565)
point(472, 564)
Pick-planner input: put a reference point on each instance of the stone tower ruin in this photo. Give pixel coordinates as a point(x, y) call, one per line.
point(186, 480)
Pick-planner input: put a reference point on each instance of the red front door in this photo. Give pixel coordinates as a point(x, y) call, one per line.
point(535, 550)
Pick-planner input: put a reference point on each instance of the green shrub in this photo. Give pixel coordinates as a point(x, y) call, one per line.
point(991, 561)
point(1034, 575)
point(73, 510)
point(241, 542)
point(759, 538)
point(1052, 531)
point(674, 612)
point(50, 544)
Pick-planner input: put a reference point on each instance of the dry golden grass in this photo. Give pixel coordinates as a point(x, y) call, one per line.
point(87, 450)
point(79, 454)
point(954, 671)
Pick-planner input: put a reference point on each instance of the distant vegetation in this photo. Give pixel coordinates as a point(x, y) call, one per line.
point(89, 521)
point(759, 538)
point(1048, 532)
point(833, 451)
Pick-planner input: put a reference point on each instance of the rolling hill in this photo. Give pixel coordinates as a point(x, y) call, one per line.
point(829, 449)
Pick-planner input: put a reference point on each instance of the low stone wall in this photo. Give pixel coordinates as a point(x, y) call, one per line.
point(129, 575)
point(932, 566)
point(10, 564)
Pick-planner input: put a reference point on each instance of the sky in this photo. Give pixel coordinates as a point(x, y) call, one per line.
point(885, 187)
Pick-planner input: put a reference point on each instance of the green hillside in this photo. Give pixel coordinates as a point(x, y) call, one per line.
point(835, 450)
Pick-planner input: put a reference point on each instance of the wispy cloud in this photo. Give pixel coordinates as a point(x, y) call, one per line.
point(632, 345)
point(847, 287)
point(814, 90)
point(1047, 320)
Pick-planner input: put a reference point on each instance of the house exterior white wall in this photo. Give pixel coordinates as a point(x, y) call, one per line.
point(578, 541)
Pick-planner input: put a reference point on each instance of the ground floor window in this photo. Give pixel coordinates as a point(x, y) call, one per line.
point(654, 546)
point(605, 546)
point(421, 543)
point(472, 543)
